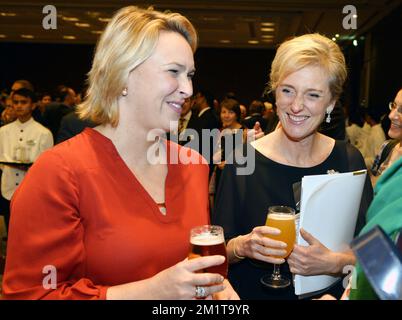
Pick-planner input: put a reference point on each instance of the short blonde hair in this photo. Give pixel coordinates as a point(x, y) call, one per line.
point(307, 50)
point(128, 40)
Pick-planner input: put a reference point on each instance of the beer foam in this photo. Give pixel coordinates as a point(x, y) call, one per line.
point(206, 239)
point(277, 216)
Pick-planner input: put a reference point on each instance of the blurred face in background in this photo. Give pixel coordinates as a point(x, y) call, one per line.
point(228, 118)
point(395, 130)
point(23, 107)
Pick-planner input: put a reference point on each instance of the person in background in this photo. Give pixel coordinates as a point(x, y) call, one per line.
point(112, 217)
point(391, 150)
point(256, 110)
point(21, 141)
point(307, 76)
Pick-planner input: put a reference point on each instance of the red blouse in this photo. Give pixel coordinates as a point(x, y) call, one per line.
point(81, 210)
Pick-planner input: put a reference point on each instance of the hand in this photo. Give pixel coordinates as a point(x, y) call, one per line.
point(314, 259)
point(326, 297)
point(227, 294)
point(258, 245)
point(180, 280)
point(255, 133)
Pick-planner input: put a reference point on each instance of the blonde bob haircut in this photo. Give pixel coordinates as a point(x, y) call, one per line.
point(128, 40)
point(310, 50)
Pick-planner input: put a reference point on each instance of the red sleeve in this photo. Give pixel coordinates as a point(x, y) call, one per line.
point(46, 230)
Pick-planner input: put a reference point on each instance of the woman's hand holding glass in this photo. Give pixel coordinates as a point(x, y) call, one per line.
point(181, 280)
point(258, 245)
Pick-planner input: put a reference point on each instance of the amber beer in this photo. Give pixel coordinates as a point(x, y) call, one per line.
point(284, 221)
point(208, 241)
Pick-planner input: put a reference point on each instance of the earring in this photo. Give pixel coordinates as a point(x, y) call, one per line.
point(124, 92)
point(328, 119)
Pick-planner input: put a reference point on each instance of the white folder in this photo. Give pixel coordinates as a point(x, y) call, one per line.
point(329, 208)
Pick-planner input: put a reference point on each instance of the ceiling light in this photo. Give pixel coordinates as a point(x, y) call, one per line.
point(69, 37)
point(93, 14)
point(224, 41)
point(267, 24)
point(2, 36)
point(8, 14)
point(267, 29)
point(333, 39)
point(267, 36)
point(27, 36)
point(96, 31)
point(253, 41)
point(82, 25)
point(71, 19)
point(337, 35)
point(267, 40)
point(355, 16)
point(104, 19)
point(355, 43)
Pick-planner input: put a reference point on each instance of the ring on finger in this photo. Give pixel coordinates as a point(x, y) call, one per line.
point(200, 292)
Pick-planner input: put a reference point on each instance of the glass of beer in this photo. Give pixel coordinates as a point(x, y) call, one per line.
point(209, 240)
point(282, 218)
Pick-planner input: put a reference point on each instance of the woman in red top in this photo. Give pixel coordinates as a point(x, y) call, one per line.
point(107, 214)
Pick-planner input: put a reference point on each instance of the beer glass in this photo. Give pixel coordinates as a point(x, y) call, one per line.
point(209, 240)
point(283, 218)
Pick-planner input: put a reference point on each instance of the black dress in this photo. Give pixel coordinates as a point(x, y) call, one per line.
point(242, 203)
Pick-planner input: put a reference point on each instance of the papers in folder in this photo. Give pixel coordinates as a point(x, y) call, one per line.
point(329, 209)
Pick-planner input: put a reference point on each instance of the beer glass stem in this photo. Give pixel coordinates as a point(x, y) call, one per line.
point(276, 275)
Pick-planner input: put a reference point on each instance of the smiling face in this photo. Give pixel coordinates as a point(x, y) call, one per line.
point(302, 98)
point(228, 117)
point(395, 130)
point(159, 86)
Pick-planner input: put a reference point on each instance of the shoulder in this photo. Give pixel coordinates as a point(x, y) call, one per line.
point(184, 155)
point(41, 128)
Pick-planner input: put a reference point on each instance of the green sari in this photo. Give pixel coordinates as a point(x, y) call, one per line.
point(385, 211)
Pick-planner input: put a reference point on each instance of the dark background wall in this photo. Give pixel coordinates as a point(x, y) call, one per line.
point(242, 71)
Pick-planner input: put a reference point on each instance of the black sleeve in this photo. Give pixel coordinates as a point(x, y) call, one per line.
point(356, 162)
point(228, 201)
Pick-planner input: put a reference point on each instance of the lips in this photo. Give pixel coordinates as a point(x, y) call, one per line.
point(396, 125)
point(297, 119)
point(176, 106)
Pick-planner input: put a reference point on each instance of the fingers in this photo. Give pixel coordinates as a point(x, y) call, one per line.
point(200, 263)
point(308, 237)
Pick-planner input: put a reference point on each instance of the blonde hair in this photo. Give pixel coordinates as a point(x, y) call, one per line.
point(310, 50)
point(128, 40)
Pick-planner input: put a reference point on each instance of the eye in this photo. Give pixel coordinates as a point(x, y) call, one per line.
point(313, 96)
point(287, 91)
point(190, 75)
point(174, 71)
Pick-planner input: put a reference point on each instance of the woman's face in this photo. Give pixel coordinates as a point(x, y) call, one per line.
point(395, 130)
point(159, 86)
point(228, 117)
point(302, 98)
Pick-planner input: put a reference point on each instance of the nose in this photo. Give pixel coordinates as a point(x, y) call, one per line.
point(394, 114)
point(297, 104)
point(186, 87)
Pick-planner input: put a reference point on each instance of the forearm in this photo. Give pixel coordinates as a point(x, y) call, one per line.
point(138, 290)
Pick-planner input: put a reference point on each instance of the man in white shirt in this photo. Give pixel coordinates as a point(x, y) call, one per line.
point(21, 142)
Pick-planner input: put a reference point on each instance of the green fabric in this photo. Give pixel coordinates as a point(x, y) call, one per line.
point(385, 211)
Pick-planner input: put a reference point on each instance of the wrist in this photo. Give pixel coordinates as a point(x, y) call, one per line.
point(237, 252)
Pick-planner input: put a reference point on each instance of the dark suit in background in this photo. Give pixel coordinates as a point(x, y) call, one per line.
point(72, 125)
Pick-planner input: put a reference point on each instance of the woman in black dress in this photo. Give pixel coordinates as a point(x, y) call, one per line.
point(307, 75)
